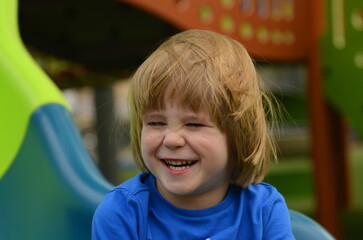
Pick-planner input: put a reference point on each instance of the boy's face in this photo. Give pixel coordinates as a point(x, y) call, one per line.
point(188, 155)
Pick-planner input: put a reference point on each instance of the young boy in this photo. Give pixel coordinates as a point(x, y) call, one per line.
point(200, 137)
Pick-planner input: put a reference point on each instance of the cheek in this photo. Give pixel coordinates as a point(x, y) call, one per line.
point(215, 146)
point(144, 143)
point(221, 149)
point(148, 143)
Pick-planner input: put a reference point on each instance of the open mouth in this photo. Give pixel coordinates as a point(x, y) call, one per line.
point(178, 165)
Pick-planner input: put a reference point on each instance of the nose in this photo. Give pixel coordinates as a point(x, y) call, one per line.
point(173, 139)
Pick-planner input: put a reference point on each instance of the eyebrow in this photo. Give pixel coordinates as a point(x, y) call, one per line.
point(194, 118)
point(190, 115)
point(152, 115)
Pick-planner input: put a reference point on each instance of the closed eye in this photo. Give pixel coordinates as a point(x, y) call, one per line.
point(195, 125)
point(156, 124)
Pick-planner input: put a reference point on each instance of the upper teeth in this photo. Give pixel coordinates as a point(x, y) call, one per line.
point(173, 162)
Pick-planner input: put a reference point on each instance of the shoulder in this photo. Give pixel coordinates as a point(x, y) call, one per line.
point(135, 189)
point(265, 198)
point(262, 191)
point(134, 185)
point(262, 188)
point(270, 205)
point(129, 198)
point(122, 209)
point(267, 207)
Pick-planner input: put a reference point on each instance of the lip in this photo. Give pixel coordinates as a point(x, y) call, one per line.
point(177, 171)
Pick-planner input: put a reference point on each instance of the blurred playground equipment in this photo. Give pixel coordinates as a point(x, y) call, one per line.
point(342, 59)
point(49, 185)
point(305, 228)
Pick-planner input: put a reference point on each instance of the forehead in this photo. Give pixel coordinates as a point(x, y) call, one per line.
point(179, 97)
point(172, 105)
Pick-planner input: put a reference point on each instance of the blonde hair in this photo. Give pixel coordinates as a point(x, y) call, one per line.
point(203, 69)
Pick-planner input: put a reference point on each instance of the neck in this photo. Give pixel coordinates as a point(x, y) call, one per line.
point(196, 201)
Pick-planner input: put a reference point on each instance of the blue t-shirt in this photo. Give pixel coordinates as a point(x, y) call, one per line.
point(136, 210)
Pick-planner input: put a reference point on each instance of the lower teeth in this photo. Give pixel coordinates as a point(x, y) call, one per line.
point(178, 168)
